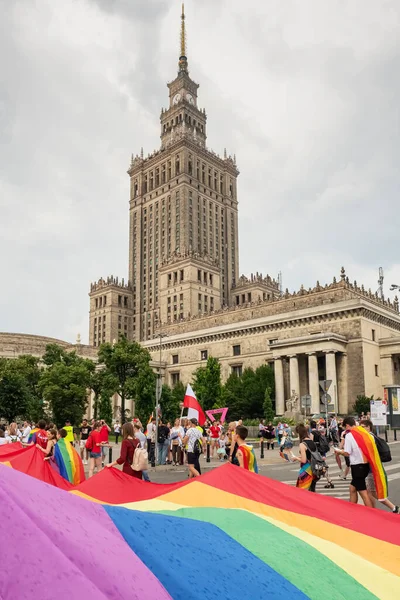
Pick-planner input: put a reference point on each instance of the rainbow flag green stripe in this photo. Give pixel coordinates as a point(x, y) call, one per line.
point(294, 559)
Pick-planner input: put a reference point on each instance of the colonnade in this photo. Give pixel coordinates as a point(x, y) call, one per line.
point(313, 377)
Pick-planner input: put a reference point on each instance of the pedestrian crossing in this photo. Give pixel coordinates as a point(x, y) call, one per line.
point(341, 489)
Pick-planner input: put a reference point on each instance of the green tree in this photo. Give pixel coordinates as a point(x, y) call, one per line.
point(65, 384)
point(144, 393)
point(170, 400)
point(269, 412)
point(14, 392)
point(19, 393)
point(362, 404)
point(207, 383)
point(103, 386)
point(232, 396)
point(129, 364)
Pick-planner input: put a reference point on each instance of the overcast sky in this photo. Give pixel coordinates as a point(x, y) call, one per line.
point(305, 92)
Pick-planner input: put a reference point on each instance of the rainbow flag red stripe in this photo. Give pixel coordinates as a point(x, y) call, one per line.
point(368, 447)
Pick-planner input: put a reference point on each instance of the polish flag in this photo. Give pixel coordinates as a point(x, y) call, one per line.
point(194, 409)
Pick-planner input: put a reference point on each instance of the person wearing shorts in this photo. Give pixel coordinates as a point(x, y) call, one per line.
point(96, 447)
point(84, 433)
point(214, 432)
point(358, 464)
point(192, 435)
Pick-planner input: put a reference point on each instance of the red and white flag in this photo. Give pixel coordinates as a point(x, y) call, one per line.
point(194, 409)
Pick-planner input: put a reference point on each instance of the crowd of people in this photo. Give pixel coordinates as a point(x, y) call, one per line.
point(353, 439)
point(185, 442)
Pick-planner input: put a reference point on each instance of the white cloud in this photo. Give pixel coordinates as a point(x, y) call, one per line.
point(305, 93)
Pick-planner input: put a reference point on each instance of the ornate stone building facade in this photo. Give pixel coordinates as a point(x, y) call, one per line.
point(184, 281)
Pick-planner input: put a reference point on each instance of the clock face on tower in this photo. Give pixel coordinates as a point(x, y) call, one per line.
point(176, 99)
point(190, 98)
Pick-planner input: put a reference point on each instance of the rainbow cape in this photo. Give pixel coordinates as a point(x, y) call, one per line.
point(69, 462)
point(32, 436)
point(249, 458)
point(273, 540)
point(368, 447)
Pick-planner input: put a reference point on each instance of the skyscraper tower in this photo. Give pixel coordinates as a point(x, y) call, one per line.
point(183, 239)
point(183, 234)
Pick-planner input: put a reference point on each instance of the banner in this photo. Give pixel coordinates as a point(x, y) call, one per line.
point(216, 411)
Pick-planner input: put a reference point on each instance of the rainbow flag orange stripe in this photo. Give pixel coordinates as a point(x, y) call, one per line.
point(368, 447)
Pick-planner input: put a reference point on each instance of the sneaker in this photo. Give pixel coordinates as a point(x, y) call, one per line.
point(396, 510)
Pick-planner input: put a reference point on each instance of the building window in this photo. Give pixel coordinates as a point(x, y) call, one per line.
point(175, 359)
point(236, 350)
point(204, 354)
point(376, 371)
point(119, 300)
point(237, 370)
point(373, 335)
point(175, 379)
point(125, 301)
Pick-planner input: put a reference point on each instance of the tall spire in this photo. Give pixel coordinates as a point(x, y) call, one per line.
point(183, 63)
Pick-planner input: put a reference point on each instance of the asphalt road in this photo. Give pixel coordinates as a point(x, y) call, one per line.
point(287, 474)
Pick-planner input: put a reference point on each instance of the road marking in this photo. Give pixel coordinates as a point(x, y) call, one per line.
point(392, 477)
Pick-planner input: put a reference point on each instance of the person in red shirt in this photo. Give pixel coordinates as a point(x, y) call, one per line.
point(95, 444)
point(214, 432)
point(128, 447)
point(104, 431)
point(39, 437)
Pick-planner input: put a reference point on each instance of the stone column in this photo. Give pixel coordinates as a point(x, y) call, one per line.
point(343, 384)
point(331, 374)
point(279, 387)
point(387, 370)
point(313, 379)
point(294, 375)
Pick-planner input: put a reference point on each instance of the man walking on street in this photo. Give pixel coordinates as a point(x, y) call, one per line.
point(358, 464)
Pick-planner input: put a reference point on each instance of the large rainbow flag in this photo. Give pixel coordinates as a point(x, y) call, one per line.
point(228, 534)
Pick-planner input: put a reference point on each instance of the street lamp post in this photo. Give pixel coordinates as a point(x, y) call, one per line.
point(158, 392)
point(394, 287)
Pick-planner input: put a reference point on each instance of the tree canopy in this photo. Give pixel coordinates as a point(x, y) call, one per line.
point(128, 364)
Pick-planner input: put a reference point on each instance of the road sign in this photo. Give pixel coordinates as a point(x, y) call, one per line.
point(306, 401)
point(378, 412)
point(325, 384)
point(326, 399)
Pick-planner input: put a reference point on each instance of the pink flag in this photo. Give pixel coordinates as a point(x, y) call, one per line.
point(194, 409)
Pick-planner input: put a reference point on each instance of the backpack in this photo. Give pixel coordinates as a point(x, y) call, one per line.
point(197, 449)
point(318, 465)
point(383, 449)
point(321, 441)
point(140, 459)
point(161, 436)
point(89, 443)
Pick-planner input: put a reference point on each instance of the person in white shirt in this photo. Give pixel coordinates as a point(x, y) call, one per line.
point(117, 431)
point(193, 439)
point(151, 438)
point(26, 430)
point(358, 464)
point(176, 436)
point(13, 435)
point(139, 435)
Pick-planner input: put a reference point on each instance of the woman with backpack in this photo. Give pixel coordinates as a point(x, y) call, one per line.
point(305, 480)
point(128, 448)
